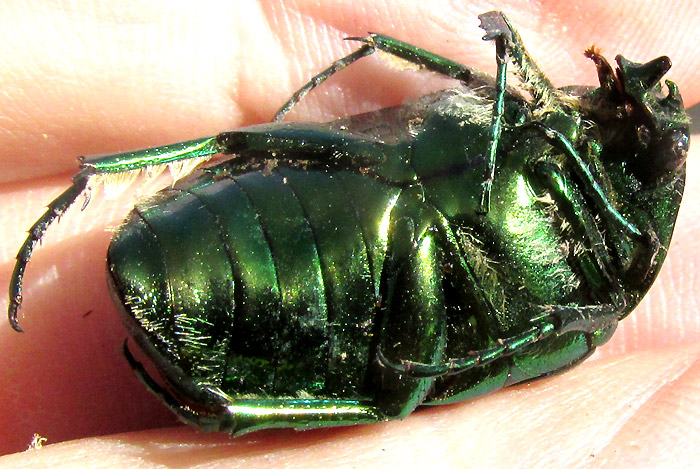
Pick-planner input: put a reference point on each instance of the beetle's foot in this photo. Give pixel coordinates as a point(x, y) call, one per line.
point(495, 25)
point(15, 303)
point(453, 366)
point(369, 39)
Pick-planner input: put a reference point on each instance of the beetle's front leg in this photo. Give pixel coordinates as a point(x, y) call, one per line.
point(595, 322)
point(599, 194)
point(239, 416)
point(509, 46)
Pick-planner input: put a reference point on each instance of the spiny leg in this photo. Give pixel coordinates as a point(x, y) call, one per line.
point(379, 42)
point(474, 358)
point(55, 209)
point(198, 150)
point(508, 45)
point(308, 140)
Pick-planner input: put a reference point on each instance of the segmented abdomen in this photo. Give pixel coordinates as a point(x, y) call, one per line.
point(262, 284)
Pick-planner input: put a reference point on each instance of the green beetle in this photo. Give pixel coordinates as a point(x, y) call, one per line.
point(350, 272)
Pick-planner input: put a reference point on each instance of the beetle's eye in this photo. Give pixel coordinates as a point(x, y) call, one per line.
point(679, 145)
point(643, 135)
point(663, 156)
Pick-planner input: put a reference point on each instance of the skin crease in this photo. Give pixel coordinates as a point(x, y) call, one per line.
point(80, 82)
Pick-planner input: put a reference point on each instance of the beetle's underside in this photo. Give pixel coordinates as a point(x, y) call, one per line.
point(348, 272)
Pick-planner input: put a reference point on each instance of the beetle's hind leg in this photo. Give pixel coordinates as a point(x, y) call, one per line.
point(334, 68)
point(184, 412)
point(54, 210)
point(195, 151)
point(240, 416)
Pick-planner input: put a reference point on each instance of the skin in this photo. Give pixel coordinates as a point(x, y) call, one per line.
point(108, 80)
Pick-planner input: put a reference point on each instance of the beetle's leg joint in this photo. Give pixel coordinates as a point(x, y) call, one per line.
point(399, 367)
point(485, 201)
point(368, 40)
point(584, 319)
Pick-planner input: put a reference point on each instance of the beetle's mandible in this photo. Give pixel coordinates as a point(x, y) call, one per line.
point(353, 271)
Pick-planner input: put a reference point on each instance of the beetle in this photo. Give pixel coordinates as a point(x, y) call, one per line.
point(352, 271)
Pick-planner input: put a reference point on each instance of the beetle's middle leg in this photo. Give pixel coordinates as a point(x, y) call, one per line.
point(379, 42)
point(551, 321)
point(240, 416)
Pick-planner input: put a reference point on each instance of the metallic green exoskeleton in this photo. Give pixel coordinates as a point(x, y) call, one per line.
point(352, 271)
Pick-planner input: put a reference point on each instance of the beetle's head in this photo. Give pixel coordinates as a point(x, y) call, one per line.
point(644, 135)
point(659, 122)
point(647, 126)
